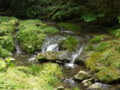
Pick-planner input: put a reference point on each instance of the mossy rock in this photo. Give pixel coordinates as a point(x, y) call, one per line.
point(37, 25)
point(99, 38)
point(31, 22)
point(7, 42)
point(32, 34)
point(53, 56)
point(30, 40)
point(11, 21)
point(70, 26)
point(70, 44)
point(104, 61)
point(4, 53)
point(4, 29)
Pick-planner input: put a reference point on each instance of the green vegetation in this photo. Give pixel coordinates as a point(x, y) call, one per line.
point(7, 27)
point(70, 43)
point(70, 26)
point(7, 42)
point(102, 51)
point(43, 77)
point(116, 33)
point(98, 38)
point(32, 34)
point(104, 61)
point(4, 53)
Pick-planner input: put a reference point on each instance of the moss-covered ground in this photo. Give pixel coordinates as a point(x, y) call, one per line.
point(43, 77)
point(105, 59)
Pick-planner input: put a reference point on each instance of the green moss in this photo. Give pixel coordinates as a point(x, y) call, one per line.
point(51, 56)
point(90, 47)
point(48, 30)
point(7, 19)
point(102, 46)
point(31, 22)
point(108, 75)
point(27, 78)
point(30, 40)
point(7, 42)
point(70, 26)
point(104, 61)
point(38, 25)
point(32, 34)
point(4, 53)
point(8, 24)
point(4, 30)
point(70, 43)
point(98, 38)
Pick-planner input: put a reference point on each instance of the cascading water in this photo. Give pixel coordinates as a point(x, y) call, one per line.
point(18, 50)
point(74, 57)
point(53, 47)
point(51, 43)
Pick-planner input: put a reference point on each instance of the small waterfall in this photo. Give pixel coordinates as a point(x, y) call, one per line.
point(17, 47)
point(51, 43)
point(74, 57)
point(53, 47)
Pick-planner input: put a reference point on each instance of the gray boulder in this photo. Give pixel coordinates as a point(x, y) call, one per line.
point(87, 82)
point(94, 87)
point(54, 56)
point(82, 75)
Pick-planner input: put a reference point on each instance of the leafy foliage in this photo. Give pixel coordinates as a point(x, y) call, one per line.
point(116, 33)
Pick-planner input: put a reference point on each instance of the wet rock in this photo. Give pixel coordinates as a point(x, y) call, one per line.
point(87, 82)
point(60, 88)
point(103, 86)
point(94, 87)
point(54, 56)
point(82, 75)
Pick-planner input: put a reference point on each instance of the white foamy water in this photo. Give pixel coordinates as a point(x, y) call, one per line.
point(17, 47)
point(53, 47)
point(73, 58)
point(51, 43)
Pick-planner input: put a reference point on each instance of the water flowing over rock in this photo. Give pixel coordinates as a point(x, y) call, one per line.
point(98, 86)
point(52, 47)
point(74, 57)
point(18, 49)
point(51, 43)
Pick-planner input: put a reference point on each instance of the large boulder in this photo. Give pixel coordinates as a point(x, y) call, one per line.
point(82, 75)
point(53, 56)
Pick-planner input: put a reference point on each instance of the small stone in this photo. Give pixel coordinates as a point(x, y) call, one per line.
point(82, 75)
point(60, 88)
point(94, 87)
point(87, 82)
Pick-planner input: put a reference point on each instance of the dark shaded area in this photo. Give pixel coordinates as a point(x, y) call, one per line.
point(100, 12)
